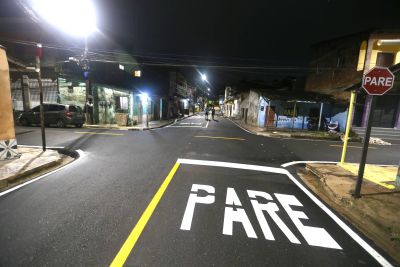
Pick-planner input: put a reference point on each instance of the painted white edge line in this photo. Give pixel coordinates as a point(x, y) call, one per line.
point(241, 127)
point(328, 162)
point(177, 121)
point(81, 155)
point(304, 162)
point(190, 123)
point(379, 258)
point(187, 126)
point(206, 124)
point(232, 165)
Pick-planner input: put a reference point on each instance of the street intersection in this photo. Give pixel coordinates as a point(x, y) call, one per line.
point(194, 193)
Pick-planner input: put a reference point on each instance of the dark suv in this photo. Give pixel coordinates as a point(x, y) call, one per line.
point(55, 114)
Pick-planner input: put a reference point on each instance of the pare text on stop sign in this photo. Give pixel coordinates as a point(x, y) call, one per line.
point(378, 81)
point(235, 213)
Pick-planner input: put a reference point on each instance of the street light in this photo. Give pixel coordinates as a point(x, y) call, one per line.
point(83, 22)
point(208, 89)
point(75, 17)
point(203, 77)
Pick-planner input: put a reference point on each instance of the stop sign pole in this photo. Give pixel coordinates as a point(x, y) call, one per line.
point(375, 82)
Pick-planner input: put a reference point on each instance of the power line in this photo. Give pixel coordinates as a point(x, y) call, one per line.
point(104, 56)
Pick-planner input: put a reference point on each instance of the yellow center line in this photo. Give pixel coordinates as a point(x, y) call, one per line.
point(99, 133)
point(130, 242)
point(371, 147)
point(220, 137)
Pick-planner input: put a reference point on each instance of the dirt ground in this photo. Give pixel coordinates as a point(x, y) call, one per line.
point(376, 213)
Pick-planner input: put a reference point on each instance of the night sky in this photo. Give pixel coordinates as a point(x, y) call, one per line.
point(258, 32)
point(270, 32)
point(262, 32)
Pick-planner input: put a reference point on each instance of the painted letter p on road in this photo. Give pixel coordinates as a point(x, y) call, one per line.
point(193, 199)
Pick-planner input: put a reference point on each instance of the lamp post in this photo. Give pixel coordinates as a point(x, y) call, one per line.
point(38, 70)
point(58, 13)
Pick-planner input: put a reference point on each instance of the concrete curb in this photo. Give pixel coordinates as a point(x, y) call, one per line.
point(288, 135)
point(151, 128)
point(4, 183)
point(164, 125)
point(19, 176)
point(136, 129)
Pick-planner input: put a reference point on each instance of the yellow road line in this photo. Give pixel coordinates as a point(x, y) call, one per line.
point(130, 242)
point(371, 147)
point(99, 133)
point(220, 137)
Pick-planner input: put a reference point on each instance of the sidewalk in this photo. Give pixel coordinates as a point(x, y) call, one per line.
point(138, 127)
point(33, 161)
point(376, 213)
point(271, 131)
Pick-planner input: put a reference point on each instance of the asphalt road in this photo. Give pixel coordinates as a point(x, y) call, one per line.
point(192, 193)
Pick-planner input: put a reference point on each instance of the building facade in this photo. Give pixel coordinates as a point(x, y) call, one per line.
point(340, 64)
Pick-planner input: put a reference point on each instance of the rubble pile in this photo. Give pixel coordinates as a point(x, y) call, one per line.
point(378, 141)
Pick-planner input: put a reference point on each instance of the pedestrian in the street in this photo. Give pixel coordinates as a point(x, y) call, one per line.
point(206, 112)
point(212, 112)
point(89, 110)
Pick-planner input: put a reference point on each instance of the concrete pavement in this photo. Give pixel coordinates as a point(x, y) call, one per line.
point(31, 160)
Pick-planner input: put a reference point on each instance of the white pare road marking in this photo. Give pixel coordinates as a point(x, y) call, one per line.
point(375, 254)
point(190, 123)
point(235, 212)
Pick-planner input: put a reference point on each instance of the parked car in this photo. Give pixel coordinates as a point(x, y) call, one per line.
point(54, 114)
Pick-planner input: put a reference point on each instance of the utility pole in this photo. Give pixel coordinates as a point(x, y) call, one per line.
point(86, 69)
point(38, 58)
point(147, 115)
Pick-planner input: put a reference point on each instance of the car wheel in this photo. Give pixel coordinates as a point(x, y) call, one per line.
point(24, 122)
point(79, 125)
point(60, 124)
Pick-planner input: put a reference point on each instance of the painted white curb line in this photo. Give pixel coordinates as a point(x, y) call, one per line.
point(304, 162)
point(81, 155)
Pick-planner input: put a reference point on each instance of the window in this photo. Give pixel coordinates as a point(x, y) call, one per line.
point(361, 56)
point(36, 109)
point(121, 103)
point(385, 59)
point(73, 109)
point(55, 108)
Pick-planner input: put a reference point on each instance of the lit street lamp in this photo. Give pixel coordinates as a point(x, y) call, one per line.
point(59, 12)
point(75, 17)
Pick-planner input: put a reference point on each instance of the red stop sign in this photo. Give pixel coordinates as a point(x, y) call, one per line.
point(378, 81)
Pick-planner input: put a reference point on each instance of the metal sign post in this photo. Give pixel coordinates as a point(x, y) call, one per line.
point(367, 135)
point(42, 125)
point(375, 82)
